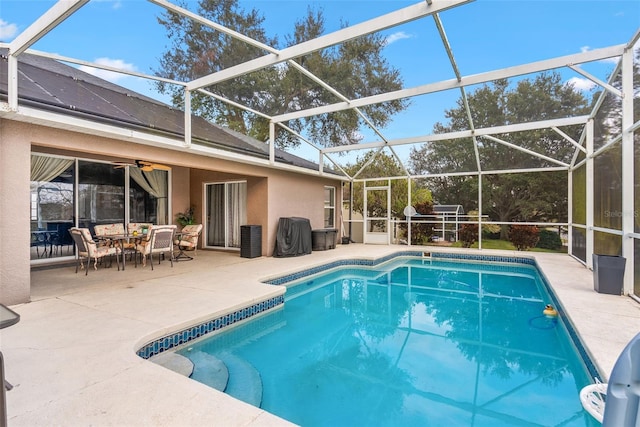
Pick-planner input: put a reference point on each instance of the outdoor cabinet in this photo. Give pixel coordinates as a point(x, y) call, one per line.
point(250, 241)
point(324, 239)
point(608, 274)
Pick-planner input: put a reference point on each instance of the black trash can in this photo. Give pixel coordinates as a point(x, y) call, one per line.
point(608, 274)
point(250, 241)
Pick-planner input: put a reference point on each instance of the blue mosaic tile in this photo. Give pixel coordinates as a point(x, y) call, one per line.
point(184, 336)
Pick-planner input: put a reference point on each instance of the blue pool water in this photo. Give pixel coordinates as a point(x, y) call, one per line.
point(409, 342)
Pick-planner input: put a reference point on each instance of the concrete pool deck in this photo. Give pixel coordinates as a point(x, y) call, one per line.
point(72, 361)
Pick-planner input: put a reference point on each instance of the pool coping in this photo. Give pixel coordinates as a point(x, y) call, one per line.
point(75, 345)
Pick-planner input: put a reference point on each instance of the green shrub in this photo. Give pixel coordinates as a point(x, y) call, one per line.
point(524, 237)
point(468, 234)
point(549, 240)
point(490, 234)
point(421, 233)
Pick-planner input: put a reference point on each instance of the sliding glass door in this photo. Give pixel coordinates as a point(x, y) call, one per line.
point(100, 194)
point(67, 192)
point(148, 196)
point(226, 211)
point(52, 205)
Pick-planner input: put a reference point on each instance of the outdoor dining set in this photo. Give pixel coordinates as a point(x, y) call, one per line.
point(136, 240)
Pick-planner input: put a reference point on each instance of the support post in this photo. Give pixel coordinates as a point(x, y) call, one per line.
point(272, 143)
point(628, 208)
point(570, 211)
point(480, 211)
point(589, 194)
point(187, 118)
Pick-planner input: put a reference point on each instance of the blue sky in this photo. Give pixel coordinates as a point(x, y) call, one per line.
point(485, 35)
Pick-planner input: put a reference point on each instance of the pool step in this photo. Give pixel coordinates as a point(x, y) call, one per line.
point(209, 370)
point(175, 362)
point(244, 382)
point(228, 373)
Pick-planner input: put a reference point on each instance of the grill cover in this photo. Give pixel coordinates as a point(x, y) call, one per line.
point(293, 238)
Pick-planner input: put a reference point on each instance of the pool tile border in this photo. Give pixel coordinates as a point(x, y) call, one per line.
point(373, 262)
point(185, 335)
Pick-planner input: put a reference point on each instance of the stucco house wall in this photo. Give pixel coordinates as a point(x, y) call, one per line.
point(271, 193)
point(15, 172)
point(270, 196)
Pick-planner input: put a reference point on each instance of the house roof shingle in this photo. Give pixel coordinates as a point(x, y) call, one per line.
point(48, 84)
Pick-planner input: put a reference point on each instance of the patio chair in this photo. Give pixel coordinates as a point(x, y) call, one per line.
point(87, 248)
point(189, 237)
point(159, 241)
point(103, 231)
point(38, 239)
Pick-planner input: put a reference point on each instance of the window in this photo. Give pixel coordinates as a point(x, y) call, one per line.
point(329, 207)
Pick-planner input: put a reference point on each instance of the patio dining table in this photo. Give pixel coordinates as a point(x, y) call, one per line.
point(122, 239)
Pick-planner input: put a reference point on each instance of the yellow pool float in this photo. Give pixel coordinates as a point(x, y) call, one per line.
point(549, 311)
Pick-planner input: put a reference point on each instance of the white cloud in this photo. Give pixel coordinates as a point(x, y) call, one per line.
point(581, 84)
point(117, 4)
point(613, 60)
point(7, 30)
point(109, 75)
point(397, 36)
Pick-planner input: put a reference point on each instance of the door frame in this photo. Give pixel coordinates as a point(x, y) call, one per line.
point(377, 237)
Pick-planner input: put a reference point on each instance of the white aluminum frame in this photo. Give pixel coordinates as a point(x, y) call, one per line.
point(65, 8)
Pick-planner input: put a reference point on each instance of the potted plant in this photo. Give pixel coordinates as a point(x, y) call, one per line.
point(186, 217)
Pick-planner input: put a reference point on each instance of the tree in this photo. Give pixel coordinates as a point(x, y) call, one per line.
point(507, 197)
point(355, 68)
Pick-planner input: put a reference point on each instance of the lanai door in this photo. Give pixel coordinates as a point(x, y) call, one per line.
point(226, 211)
point(376, 220)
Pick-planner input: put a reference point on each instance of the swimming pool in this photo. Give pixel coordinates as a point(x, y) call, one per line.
point(413, 341)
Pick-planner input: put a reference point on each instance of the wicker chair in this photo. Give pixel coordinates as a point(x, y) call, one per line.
point(87, 248)
point(159, 241)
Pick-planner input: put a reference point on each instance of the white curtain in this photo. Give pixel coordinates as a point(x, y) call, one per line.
point(45, 168)
point(215, 213)
point(226, 210)
point(238, 214)
point(156, 183)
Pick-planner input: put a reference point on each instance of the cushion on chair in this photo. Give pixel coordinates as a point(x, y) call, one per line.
point(87, 235)
point(109, 229)
point(190, 240)
point(106, 230)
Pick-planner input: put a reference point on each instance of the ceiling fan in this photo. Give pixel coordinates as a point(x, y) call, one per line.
point(143, 165)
